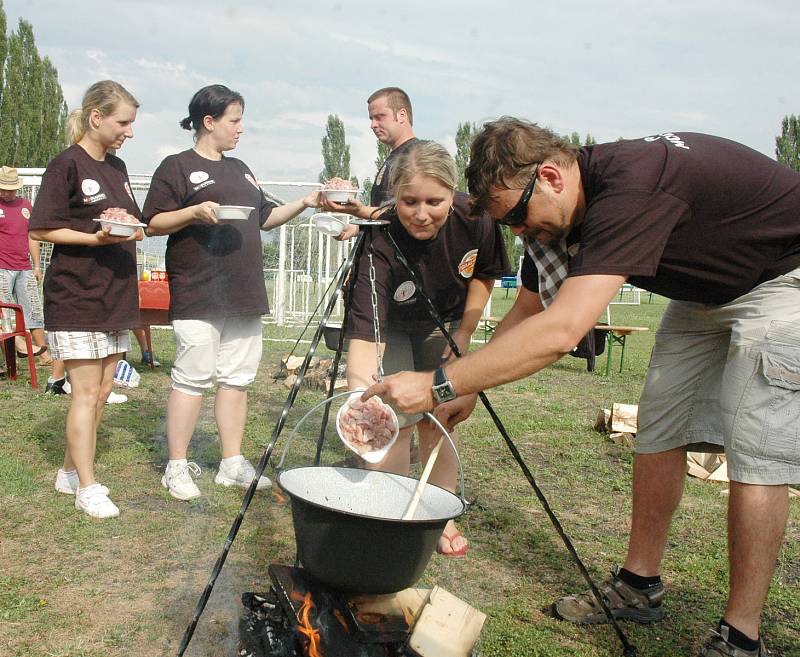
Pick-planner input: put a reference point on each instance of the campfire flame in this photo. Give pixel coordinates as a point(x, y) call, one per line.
point(306, 629)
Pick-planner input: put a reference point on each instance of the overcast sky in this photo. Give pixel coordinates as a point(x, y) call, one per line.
point(624, 68)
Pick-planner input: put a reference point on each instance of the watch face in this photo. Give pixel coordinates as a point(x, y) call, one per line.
point(444, 392)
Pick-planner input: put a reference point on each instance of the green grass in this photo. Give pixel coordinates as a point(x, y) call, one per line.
point(72, 586)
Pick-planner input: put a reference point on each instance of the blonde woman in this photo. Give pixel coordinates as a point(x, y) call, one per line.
point(90, 285)
point(456, 259)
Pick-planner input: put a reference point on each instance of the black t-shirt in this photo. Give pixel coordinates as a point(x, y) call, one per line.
point(382, 187)
point(87, 288)
point(689, 216)
point(464, 248)
point(213, 270)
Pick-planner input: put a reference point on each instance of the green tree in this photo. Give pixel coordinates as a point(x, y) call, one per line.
point(32, 109)
point(464, 135)
point(3, 48)
point(335, 151)
point(787, 144)
point(575, 138)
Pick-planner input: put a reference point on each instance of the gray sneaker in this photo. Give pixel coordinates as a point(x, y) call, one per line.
point(178, 479)
point(624, 601)
point(240, 474)
point(717, 645)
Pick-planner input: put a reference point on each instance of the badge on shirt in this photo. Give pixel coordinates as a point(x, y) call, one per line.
point(404, 291)
point(196, 177)
point(26, 213)
point(251, 180)
point(91, 191)
point(467, 265)
point(90, 187)
point(2, 213)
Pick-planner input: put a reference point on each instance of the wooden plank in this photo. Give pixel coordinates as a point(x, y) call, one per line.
point(447, 627)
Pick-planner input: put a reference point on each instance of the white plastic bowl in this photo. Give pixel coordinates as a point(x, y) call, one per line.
point(339, 195)
point(119, 228)
point(233, 212)
point(377, 455)
point(328, 224)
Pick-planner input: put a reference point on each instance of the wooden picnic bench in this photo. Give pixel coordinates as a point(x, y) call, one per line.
point(617, 335)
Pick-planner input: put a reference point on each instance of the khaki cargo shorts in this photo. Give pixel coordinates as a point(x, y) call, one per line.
point(729, 375)
point(414, 351)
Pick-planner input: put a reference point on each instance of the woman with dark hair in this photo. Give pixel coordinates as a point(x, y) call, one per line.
point(216, 283)
point(456, 259)
point(90, 295)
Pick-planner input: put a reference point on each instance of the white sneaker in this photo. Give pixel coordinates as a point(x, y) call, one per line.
point(67, 482)
point(94, 502)
point(178, 479)
point(240, 473)
point(116, 398)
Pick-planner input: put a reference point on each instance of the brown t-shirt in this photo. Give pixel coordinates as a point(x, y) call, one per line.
point(213, 270)
point(465, 248)
point(689, 216)
point(87, 288)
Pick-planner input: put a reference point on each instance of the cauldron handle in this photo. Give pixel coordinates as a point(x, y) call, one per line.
point(429, 416)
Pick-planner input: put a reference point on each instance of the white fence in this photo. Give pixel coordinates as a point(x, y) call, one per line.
point(297, 278)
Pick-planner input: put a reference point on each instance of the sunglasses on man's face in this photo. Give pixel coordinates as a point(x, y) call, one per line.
point(519, 213)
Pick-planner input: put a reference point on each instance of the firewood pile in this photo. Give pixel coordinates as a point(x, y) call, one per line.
point(317, 376)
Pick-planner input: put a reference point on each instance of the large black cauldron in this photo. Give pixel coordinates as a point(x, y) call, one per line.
point(348, 528)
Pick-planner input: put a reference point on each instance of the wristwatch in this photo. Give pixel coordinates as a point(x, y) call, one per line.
point(442, 387)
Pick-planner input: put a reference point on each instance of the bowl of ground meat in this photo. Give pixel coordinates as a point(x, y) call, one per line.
point(369, 428)
point(119, 222)
point(339, 190)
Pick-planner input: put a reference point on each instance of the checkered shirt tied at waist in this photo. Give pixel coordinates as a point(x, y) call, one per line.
point(551, 263)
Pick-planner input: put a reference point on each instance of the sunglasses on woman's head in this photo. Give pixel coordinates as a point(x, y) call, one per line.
point(519, 213)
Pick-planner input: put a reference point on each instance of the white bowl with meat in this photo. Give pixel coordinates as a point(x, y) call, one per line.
point(368, 428)
point(339, 190)
point(119, 222)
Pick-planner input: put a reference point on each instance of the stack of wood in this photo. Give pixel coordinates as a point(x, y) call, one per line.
point(619, 422)
point(441, 624)
point(317, 376)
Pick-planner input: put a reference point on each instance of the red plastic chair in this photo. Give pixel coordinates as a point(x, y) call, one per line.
point(10, 350)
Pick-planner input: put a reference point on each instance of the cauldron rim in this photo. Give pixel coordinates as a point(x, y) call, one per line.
point(422, 521)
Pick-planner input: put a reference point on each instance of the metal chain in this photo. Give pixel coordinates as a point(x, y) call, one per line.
point(375, 323)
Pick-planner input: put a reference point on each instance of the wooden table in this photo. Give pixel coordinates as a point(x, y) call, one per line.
point(617, 335)
point(153, 309)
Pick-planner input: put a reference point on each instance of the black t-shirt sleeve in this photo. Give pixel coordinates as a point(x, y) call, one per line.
point(529, 274)
point(167, 190)
point(625, 233)
point(360, 325)
point(51, 209)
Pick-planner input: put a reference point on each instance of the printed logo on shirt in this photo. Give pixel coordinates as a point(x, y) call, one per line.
point(196, 177)
point(467, 265)
point(197, 188)
point(26, 213)
point(90, 187)
point(672, 138)
point(2, 213)
point(128, 189)
point(251, 180)
point(404, 291)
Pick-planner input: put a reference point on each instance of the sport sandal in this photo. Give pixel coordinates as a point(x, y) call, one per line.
point(624, 601)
